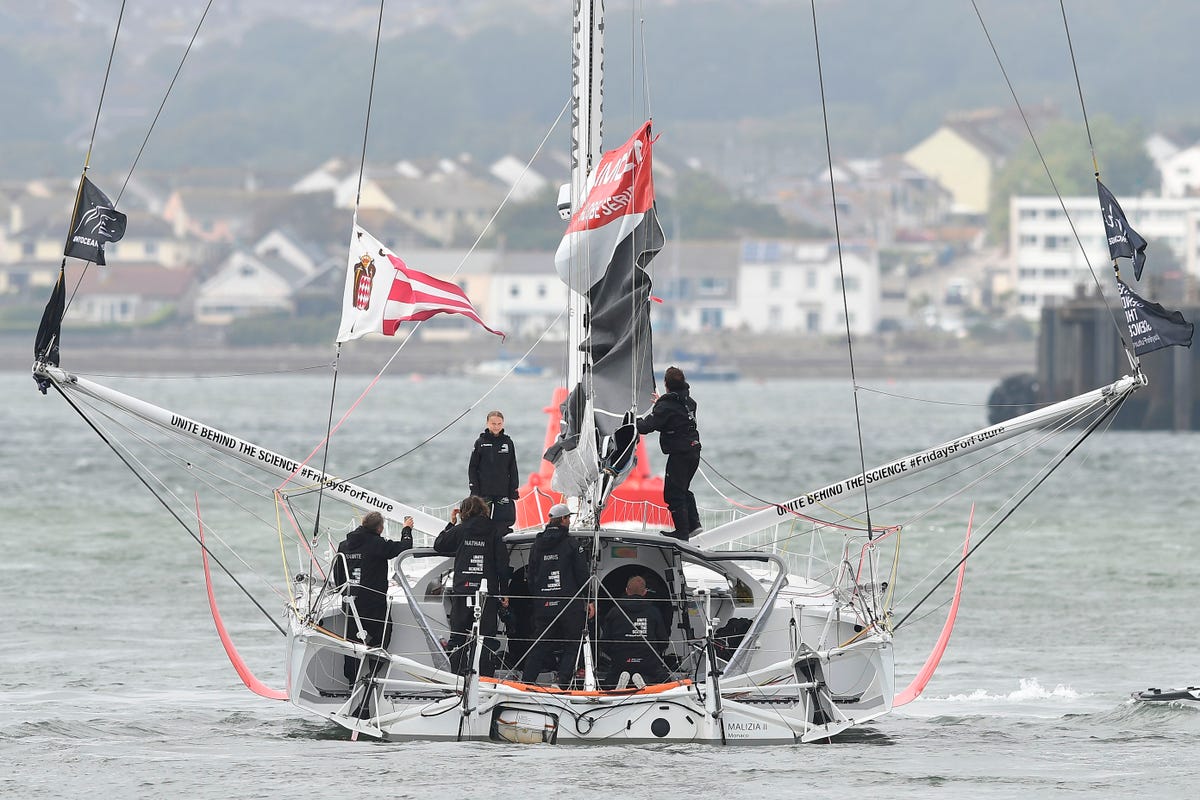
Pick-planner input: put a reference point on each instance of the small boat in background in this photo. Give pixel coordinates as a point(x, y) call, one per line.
point(700, 366)
point(1166, 695)
point(500, 367)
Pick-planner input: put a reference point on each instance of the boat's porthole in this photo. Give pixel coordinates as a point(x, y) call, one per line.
point(688, 717)
point(660, 727)
point(858, 628)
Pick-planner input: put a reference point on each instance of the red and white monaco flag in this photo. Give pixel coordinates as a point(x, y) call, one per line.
point(620, 193)
point(382, 291)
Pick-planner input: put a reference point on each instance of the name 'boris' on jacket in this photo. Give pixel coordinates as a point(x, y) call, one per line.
point(558, 565)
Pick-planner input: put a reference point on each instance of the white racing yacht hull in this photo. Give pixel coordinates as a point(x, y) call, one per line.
point(803, 671)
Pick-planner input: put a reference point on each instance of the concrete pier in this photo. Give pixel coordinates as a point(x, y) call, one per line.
point(1079, 348)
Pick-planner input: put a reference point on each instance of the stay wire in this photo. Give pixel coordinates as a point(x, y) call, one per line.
point(1079, 87)
point(464, 412)
point(362, 164)
point(862, 458)
point(143, 377)
point(1129, 351)
point(165, 505)
point(362, 168)
point(1090, 430)
point(1046, 166)
point(325, 450)
point(104, 88)
point(198, 472)
point(87, 159)
point(163, 104)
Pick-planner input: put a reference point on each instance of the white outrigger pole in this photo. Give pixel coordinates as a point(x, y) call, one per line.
point(255, 455)
point(924, 459)
point(364, 499)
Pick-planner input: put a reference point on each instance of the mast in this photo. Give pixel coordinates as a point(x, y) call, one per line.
point(587, 114)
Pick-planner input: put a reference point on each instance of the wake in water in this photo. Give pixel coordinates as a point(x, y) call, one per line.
point(1030, 690)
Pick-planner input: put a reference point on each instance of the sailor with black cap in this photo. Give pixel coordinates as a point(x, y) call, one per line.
point(557, 572)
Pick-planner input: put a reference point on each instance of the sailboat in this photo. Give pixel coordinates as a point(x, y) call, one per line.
point(781, 618)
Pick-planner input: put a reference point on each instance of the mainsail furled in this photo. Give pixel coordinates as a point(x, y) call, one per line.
point(612, 236)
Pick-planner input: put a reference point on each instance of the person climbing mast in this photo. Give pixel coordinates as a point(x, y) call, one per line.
point(674, 417)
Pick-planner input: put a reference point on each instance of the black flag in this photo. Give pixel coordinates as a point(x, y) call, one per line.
point(1152, 327)
point(1123, 240)
point(95, 222)
point(45, 347)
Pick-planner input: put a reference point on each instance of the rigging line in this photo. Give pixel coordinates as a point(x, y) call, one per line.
point(645, 73)
point(87, 160)
point(837, 232)
point(511, 189)
point(194, 467)
point(1027, 443)
point(163, 104)
point(351, 409)
point(928, 401)
point(634, 8)
point(207, 453)
point(767, 503)
point(194, 376)
point(466, 411)
point(1062, 203)
point(421, 444)
point(328, 432)
point(1079, 87)
point(362, 164)
point(196, 449)
point(179, 500)
point(1087, 433)
point(104, 88)
point(165, 505)
point(917, 584)
point(63, 268)
point(468, 254)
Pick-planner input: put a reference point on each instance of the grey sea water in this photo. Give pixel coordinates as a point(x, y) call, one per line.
point(114, 684)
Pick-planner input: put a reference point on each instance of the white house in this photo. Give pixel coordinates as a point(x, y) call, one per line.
point(128, 294)
point(1049, 265)
point(243, 286)
point(527, 297)
point(697, 284)
point(1180, 173)
point(796, 287)
point(1160, 148)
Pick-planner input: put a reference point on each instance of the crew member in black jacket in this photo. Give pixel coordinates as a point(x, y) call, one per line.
point(492, 473)
point(674, 417)
point(635, 637)
point(361, 569)
point(479, 553)
point(557, 571)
